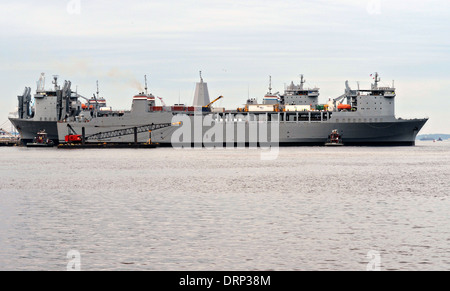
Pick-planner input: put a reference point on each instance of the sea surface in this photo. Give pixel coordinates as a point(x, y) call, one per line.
point(307, 208)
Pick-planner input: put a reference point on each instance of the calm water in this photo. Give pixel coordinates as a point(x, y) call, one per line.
point(312, 208)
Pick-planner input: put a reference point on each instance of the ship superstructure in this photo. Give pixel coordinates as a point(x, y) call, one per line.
point(363, 116)
point(126, 126)
point(48, 106)
point(298, 95)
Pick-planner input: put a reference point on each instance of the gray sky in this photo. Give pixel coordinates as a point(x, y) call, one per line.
point(237, 45)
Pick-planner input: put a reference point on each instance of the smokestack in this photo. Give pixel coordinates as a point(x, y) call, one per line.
point(201, 96)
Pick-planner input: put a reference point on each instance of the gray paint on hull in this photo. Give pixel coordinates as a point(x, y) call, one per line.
point(106, 124)
point(28, 128)
point(398, 132)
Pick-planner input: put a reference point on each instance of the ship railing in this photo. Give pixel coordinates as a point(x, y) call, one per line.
point(14, 114)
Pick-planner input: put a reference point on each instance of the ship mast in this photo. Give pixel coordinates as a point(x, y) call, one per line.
point(98, 96)
point(302, 81)
point(146, 88)
point(55, 81)
point(96, 100)
point(270, 85)
point(41, 83)
point(377, 79)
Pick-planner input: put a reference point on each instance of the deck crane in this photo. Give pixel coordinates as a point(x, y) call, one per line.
point(349, 94)
point(207, 107)
point(162, 102)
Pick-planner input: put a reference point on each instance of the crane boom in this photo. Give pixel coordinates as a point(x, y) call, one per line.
point(162, 102)
point(215, 100)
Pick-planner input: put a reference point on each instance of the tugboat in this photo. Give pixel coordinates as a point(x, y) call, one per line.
point(334, 139)
point(41, 140)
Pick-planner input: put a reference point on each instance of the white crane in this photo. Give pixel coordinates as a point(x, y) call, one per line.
point(162, 102)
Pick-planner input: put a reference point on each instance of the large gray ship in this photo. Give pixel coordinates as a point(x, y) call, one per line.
point(362, 117)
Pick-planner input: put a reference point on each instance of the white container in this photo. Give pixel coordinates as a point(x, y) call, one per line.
point(261, 107)
point(297, 107)
point(105, 109)
point(218, 109)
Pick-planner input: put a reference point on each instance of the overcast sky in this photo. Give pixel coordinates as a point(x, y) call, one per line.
point(236, 44)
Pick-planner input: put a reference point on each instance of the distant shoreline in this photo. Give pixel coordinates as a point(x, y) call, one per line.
point(433, 136)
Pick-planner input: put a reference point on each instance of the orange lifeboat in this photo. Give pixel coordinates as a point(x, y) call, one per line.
point(344, 106)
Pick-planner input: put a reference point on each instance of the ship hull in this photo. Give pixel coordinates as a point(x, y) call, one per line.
point(28, 128)
point(394, 133)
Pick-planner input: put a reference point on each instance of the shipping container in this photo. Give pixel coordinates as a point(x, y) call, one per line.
point(178, 108)
point(297, 107)
point(156, 108)
point(105, 109)
point(261, 107)
point(218, 109)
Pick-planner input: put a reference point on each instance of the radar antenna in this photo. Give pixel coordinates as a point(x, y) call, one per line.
point(55, 81)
